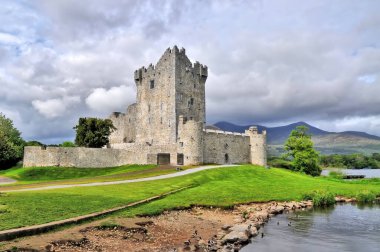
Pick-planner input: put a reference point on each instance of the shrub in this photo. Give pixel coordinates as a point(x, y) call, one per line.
point(365, 197)
point(280, 163)
point(336, 174)
point(321, 198)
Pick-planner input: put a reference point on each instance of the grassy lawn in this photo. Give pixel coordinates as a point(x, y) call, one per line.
point(218, 187)
point(40, 176)
point(37, 174)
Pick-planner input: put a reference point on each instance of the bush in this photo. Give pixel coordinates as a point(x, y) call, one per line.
point(365, 197)
point(321, 198)
point(336, 174)
point(280, 163)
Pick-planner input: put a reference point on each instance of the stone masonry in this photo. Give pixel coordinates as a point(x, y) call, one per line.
point(166, 125)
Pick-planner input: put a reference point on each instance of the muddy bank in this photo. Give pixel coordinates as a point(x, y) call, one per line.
point(196, 229)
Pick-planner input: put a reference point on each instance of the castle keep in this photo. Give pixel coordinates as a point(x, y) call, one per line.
point(166, 125)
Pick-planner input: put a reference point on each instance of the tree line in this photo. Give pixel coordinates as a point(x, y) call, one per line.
point(351, 161)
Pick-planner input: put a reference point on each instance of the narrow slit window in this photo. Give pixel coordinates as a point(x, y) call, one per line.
point(151, 85)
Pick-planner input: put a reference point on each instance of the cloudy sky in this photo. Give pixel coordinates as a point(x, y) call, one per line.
point(270, 62)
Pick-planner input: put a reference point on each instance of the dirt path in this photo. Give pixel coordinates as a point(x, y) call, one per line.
point(5, 180)
point(171, 175)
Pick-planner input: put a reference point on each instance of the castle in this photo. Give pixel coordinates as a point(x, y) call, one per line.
point(166, 125)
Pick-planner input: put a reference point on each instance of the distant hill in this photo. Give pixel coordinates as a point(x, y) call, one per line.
point(326, 142)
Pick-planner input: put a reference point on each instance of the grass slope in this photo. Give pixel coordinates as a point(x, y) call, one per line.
point(59, 173)
point(219, 187)
point(42, 176)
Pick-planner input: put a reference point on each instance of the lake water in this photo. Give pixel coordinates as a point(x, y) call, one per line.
point(340, 228)
point(369, 173)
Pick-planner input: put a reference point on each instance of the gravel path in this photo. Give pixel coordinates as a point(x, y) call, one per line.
point(171, 175)
point(5, 180)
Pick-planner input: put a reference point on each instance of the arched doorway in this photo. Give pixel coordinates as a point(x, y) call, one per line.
point(226, 158)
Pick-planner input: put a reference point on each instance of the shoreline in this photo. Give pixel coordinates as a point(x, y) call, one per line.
point(194, 229)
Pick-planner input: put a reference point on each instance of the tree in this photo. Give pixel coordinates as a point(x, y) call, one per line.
point(11, 143)
point(300, 149)
point(93, 132)
point(67, 144)
point(33, 143)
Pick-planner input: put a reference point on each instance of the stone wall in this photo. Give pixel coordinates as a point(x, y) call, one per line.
point(222, 147)
point(125, 125)
point(190, 141)
point(258, 143)
point(80, 157)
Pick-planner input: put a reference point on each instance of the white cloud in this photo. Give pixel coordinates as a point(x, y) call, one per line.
point(55, 107)
point(6, 38)
point(113, 99)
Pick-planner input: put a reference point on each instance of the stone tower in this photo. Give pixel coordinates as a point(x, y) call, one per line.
point(174, 87)
point(258, 153)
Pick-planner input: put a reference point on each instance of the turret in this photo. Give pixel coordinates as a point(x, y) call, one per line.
point(190, 140)
point(258, 146)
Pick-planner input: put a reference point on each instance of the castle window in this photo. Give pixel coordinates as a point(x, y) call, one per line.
point(169, 123)
point(180, 144)
point(195, 85)
point(180, 97)
point(151, 84)
point(161, 120)
point(191, 102)
point(149, 108)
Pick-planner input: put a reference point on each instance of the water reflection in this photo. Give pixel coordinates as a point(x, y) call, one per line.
point(341, 228)
point(369, 173)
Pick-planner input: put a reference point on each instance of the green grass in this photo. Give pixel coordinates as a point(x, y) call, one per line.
point(218, 187)
point(365, 197)
point(37, 174)
point(321, 198)
point(44, 176)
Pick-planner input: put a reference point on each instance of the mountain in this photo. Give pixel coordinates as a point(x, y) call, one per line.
point(326, 142)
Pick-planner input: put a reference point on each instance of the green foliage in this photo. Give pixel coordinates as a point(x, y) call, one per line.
point(321, 198)
point(34, 143)
point(11, 143)
point(280, 163)
point(300, 149)
point(365, 196)
point(93, 132)
point(336, 174)
point(67, 144)
point(352, 161)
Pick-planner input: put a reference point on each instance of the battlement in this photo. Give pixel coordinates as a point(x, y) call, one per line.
point(117, 114)
point(224, 132)
point(253, 130)
point(196, 68)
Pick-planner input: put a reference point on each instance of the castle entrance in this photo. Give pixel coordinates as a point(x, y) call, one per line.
point(179, 159)
point(226, 159)
point(163, 158)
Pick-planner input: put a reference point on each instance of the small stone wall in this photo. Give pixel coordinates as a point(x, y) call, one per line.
point(221, 147)
point(80, 157)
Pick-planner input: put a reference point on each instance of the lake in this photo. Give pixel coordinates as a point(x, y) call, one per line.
point(343, 227)
point(369, 173)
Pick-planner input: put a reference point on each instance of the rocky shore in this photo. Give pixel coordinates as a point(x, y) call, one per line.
point(195, 229)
